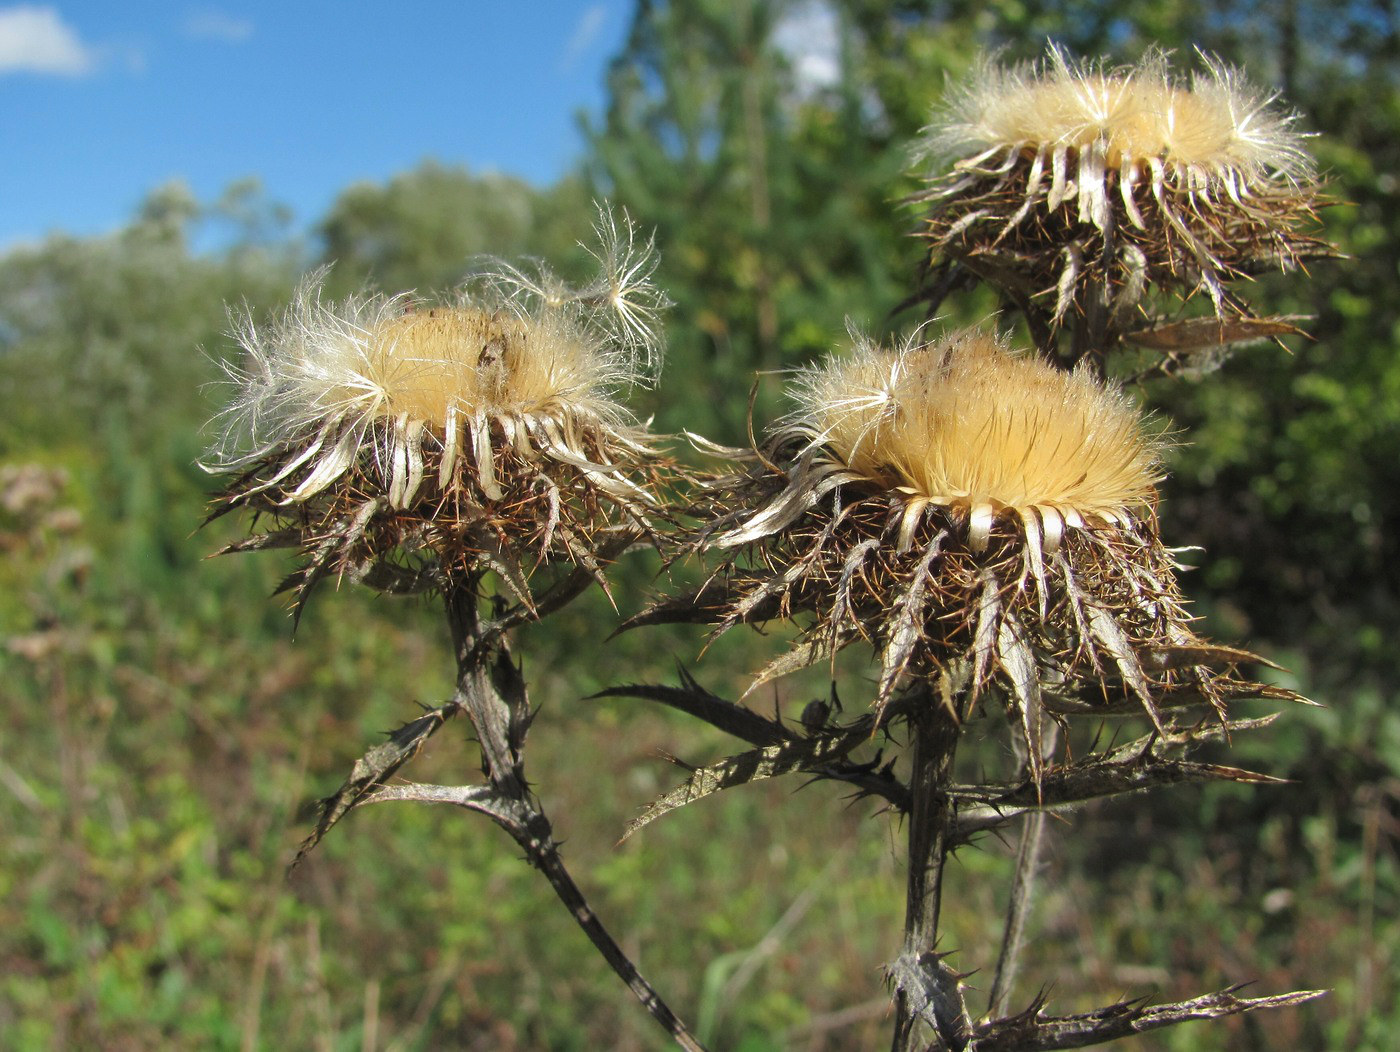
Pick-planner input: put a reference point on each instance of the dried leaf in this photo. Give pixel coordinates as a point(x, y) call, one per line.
point(1210, 654)
point(372, 768)
point(260, 541)
point(1032, 1031)
point(502, 560)
point(1110, 635)
point(933, 993)
point(1198, 334)
point(908, 624)
point(1017, 660)
point(984, 638)
point(799, 656)
point(695, 700)
point(796, 754)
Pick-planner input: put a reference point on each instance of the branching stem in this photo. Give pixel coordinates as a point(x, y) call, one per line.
point(490, 688)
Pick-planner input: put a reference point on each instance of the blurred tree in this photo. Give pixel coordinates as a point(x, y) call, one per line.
point(766, 141)
point(110, 329)
point(110, 345)
point(422, 229)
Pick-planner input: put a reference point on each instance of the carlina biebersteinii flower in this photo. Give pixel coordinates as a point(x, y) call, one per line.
point(486, 429)
point(954, 500)
point(1060, 177)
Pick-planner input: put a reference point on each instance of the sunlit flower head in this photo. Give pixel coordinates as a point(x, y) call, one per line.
point(487, 422)
point(1216, 126)
point(1182, 183)
point(952, 500)
point(966, 424)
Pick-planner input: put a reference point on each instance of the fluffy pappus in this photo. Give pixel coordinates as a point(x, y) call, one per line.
point(965, 423)
point(1089, 184)
point(485, 427)
point(1217, 126)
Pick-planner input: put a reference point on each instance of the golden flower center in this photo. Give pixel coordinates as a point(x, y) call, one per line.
point(428, 363)
point(964, 422)
point(1132, 120)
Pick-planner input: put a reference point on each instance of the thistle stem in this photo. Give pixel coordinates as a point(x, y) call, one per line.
point(1022, 895)
point(925, 992)
point(1017, 910)
point(490, 688)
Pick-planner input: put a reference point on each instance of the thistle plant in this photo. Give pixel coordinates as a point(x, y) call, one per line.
point(954, 501)
point(469, 448)
point(982, 518)
point(985, 522)
point(985, 519)
point(482, 432)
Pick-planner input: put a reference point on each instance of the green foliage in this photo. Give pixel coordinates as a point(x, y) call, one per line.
point(160, 728)
point(423, 228)
point(773, 194)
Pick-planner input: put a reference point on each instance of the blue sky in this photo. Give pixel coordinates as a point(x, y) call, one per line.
point(102, 101)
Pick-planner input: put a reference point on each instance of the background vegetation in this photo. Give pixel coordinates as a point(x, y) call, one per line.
point(162, 732)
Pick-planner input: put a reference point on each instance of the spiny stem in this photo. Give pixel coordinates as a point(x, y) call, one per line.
point(1022, 895)
point(1017, 910)
point(934, 737)
point(491, 689)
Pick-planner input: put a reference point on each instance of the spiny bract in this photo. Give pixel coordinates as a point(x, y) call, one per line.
point(1064, 177)
point(488, 425)
point(950, 501)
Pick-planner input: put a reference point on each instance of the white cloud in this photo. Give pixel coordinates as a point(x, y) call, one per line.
point(586, 30)
point(809, 37)
point(35, 39)
point(208, 24)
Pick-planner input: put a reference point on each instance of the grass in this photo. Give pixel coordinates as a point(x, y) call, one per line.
point(161, 751)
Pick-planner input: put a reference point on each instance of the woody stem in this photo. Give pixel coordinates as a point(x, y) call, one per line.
point(491, 689)
point(921, 987)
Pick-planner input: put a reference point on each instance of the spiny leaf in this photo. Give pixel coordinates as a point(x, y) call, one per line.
point(707, 606)
point(1110, 635)
point(260, 541)
point(1197, 334)
point(799, 656)
point(390, 579)
point(799, 754)
point(372, 768)
point(345, 534)
point(1211, 654)
point(690, 697)
point(984, 638)
point(1018, 662)
point(908, 625)
point(1032, 1031)
point(989, 806)
point(502, 560)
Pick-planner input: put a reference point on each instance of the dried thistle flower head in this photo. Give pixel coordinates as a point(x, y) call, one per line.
point(953, 501)
point(967, 425)
point(1069, 174)
point(482, 428)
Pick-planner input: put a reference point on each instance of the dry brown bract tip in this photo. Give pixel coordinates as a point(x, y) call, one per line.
point(953, 501)
point(1064, 176)
point(487, 429)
